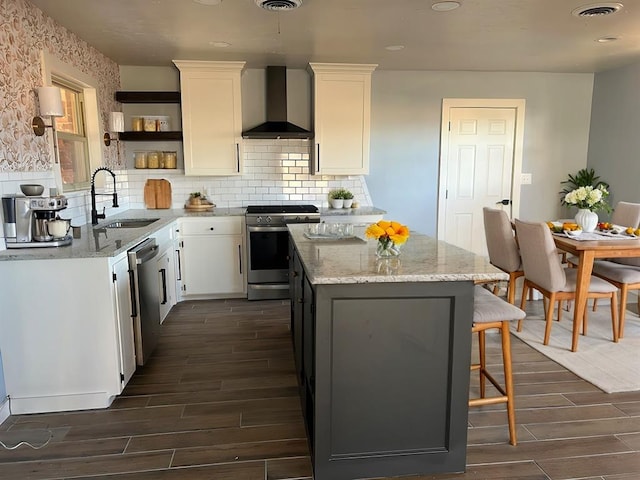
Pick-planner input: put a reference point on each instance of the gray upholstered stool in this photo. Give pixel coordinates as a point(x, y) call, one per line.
point(490, 311)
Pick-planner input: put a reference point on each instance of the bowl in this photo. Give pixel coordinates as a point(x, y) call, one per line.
point(32, 189)
point(573, 233)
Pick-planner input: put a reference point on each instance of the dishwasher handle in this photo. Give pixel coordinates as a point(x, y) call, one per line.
point(145, 251)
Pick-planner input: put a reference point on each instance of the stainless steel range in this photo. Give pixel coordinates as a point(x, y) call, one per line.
point(268, 247)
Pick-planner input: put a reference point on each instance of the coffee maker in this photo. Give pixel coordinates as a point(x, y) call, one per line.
point(26, 218)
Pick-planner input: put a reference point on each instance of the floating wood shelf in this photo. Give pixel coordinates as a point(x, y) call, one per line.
point(148, 97)
point(150, 136)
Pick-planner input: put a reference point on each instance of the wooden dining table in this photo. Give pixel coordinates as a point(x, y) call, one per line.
point(588, 251)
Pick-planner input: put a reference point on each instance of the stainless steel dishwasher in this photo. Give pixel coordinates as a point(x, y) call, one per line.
point(145, 298)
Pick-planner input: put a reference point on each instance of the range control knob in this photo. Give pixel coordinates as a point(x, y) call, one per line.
point(297, 219)
point(268, 219)
point(52, 203)
point(259, 220)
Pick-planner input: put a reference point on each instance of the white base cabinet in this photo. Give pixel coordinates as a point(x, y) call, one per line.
point(341, 118)
point(166, 265)
point(65, 333)
point(212, 257)
point(126, 342)
point(166, 282)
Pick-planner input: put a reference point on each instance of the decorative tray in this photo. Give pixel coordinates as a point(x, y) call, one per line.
point(326, 236)
point(200, 208)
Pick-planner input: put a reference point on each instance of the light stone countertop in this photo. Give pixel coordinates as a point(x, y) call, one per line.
point(422, 259)
point(97, 241)
point(353, 212)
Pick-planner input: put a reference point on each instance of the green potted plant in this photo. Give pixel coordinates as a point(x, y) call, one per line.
point(348, 199)
point(336, 198)
point(340, 198)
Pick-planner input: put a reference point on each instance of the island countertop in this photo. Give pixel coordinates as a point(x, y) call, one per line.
point(422, 259)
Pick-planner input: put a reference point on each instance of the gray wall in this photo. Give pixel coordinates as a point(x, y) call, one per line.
point(405, 137)
point(614, 143)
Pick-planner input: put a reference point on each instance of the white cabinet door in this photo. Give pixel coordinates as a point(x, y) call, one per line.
point(341, 118)
point(212, 265)
point(122, 295)
point(211, 117)
point(166, 282)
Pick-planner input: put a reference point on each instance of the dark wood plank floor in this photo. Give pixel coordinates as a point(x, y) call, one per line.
point(218, 400)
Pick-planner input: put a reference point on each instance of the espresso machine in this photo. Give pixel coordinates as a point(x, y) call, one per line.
point(25, 221)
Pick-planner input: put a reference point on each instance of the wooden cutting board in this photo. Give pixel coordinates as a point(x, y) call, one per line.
point(157, 193)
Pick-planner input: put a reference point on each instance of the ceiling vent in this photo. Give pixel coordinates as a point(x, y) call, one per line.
point(278, 4)
point(597, 10)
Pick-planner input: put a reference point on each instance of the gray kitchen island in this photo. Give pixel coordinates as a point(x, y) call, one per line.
point(382, 350)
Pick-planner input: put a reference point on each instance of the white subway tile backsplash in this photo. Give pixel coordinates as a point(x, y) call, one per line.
point(275, 172)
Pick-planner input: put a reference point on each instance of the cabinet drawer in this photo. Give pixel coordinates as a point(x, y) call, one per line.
point(212, 226)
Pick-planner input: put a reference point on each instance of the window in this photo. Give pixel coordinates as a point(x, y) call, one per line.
point(73, 152)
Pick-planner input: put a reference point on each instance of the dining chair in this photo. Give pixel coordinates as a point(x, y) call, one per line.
point(624, 273)
point(544, 271)
point(492, 312)
point(503, 247)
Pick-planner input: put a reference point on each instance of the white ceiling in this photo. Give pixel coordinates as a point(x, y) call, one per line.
point(490, 35)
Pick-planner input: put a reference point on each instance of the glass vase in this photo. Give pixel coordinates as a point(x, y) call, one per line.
point(587, 219)
point(386, 248)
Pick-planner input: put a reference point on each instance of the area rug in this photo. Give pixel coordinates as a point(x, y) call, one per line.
point(612, 367)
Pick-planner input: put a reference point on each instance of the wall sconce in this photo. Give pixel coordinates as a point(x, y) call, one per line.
point(50, 105)
point(116, 125)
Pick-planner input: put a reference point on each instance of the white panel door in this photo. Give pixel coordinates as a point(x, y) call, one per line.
point(479, 170)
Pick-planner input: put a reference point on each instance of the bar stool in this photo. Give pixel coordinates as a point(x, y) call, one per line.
point(490, 311)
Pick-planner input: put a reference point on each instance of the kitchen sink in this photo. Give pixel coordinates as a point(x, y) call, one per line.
point(131, 223)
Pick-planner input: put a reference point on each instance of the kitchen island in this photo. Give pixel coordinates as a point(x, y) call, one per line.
point(382, 350)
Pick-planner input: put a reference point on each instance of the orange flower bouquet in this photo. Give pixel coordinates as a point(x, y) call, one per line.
point(390, 236)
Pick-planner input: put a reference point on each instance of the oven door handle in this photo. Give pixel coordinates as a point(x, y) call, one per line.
point(267, 229)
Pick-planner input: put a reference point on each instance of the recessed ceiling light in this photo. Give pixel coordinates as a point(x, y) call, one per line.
point(394, 48)
point(445, 6)
point(607, 39)
point(208, 2)
point(220, 44)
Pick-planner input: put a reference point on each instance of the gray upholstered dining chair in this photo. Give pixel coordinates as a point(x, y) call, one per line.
point(624, 273)
point(502, 247)
point(544, 271)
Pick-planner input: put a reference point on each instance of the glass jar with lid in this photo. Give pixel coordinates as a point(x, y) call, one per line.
point(153, 159)
point(140, 159)
point(170, 159)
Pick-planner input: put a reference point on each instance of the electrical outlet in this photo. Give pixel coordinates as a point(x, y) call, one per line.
point(525, 179)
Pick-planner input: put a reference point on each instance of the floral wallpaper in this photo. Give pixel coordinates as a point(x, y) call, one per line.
point(25, 31)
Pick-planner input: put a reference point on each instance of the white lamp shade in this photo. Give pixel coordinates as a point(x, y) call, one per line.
point(116, 122)
point(50, 102)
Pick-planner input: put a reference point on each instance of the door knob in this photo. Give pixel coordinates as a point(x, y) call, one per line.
point(504, 201)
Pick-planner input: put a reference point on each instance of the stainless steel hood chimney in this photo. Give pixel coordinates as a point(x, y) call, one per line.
point(277, 125)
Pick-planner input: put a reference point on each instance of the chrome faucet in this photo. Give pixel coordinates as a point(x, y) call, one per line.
point(94, 213)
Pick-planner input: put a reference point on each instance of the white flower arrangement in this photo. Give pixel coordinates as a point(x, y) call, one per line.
point(590, 198)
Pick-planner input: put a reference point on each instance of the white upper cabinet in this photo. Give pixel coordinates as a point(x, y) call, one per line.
point(211, 117)
point(341, 118)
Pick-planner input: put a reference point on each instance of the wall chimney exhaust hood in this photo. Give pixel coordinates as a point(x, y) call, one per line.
point(277, 126)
